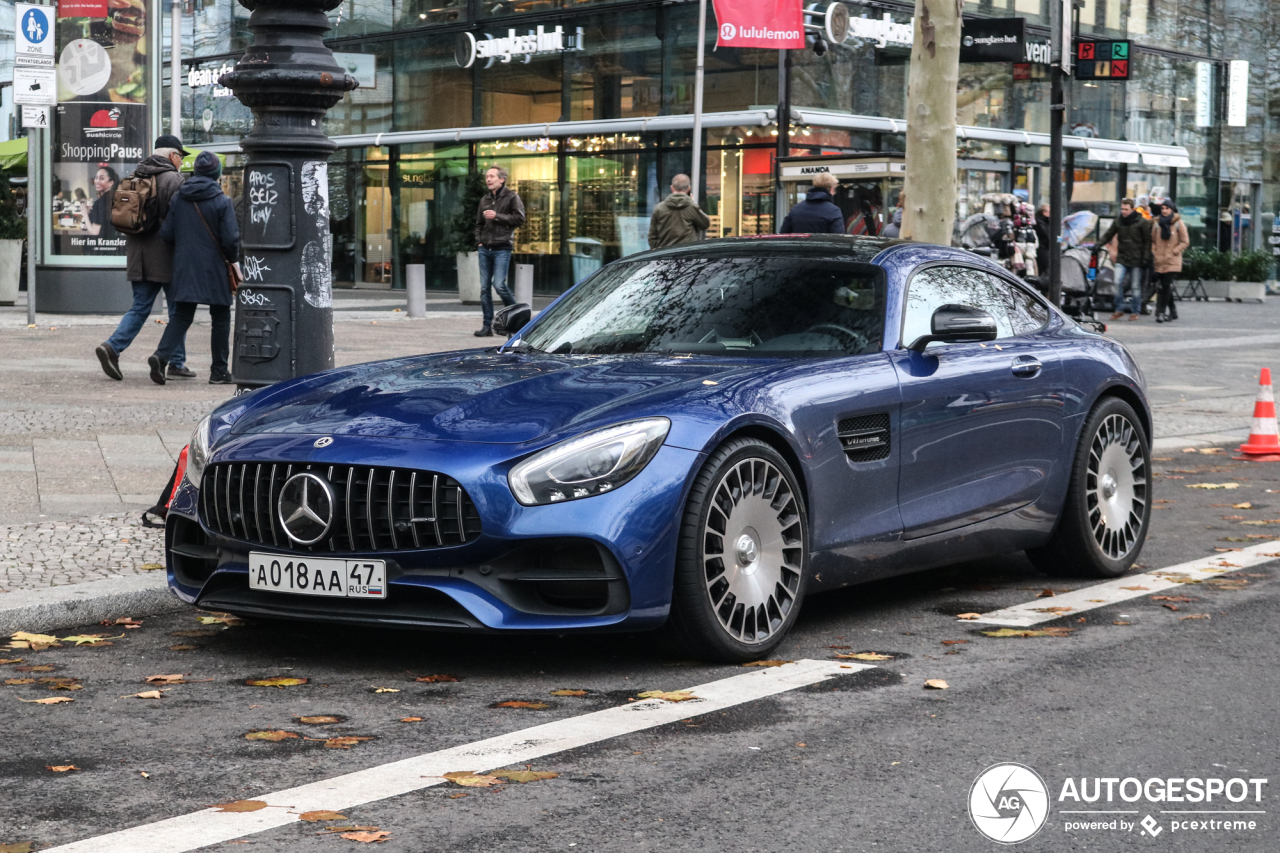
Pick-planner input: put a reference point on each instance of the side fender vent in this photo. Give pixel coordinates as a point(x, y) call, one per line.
point(865, 438)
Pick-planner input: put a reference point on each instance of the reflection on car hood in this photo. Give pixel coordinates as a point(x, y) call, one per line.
point(483, 397)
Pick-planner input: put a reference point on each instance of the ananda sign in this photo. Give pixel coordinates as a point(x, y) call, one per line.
point(537, 42)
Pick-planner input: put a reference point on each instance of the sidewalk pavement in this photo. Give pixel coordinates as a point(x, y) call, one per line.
point(81, 455)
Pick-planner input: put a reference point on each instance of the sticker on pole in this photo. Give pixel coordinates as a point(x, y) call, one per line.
point(33, 30)
point(35, 116)
point(35, 86)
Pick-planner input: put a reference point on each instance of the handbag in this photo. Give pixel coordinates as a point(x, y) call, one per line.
point(234, 277)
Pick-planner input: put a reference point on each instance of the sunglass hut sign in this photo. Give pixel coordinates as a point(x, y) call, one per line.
point(503, 49)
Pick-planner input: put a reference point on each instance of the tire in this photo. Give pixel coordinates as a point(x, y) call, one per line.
point(743, 556)
point(1108, 508)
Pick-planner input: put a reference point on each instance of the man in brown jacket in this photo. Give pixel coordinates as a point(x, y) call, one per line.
point(677, 220)
point(150, 263)
point(1169, 239)
point(498, 216)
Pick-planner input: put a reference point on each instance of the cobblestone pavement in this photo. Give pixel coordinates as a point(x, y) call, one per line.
point(81, 455)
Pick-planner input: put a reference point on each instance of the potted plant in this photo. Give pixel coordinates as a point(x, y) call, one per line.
point(13, 231)
point(461, 239)
point(1222, 275)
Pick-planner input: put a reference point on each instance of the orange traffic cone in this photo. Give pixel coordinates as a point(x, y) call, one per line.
point(1264, 439)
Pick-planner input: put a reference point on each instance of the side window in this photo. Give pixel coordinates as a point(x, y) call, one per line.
point(1026, 313)
point(932, 288)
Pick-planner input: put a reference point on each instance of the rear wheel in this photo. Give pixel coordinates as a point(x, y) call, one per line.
point(1108, 508)
point(742, 557)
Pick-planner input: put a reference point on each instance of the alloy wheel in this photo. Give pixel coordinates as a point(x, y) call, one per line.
point(1116, 486)
point(753, 550)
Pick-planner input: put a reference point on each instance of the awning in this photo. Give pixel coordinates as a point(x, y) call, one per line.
point(13, 154)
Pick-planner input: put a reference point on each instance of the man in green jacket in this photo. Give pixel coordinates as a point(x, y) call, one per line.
point(1133, 241)
point(677, 219)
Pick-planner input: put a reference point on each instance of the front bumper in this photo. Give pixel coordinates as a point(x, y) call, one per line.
point(604, 562)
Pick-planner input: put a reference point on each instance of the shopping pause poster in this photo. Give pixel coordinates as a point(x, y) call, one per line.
point(777, 24)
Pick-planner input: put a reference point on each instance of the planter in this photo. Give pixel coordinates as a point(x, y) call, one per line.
point(10, 270)
point(1228, 290)
point(469, 277)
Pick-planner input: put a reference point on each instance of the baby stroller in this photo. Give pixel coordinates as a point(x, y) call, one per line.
point(1080, 298)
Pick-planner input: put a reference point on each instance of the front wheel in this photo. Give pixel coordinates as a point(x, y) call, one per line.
point(742, 558)
point(1104, 522)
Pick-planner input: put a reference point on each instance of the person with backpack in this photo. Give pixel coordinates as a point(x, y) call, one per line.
point(201, 227)
point(139, 204)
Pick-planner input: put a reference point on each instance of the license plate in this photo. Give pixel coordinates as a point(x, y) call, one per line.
point(318, 576)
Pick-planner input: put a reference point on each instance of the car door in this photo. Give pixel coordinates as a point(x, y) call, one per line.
point(981, 423)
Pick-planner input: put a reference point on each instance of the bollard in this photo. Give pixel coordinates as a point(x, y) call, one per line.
point(524, 284)
point(415, 283)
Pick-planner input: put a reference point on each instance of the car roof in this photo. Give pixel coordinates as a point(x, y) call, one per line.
point(868, 250)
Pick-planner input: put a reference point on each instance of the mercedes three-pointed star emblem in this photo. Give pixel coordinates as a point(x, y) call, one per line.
point(305, 508)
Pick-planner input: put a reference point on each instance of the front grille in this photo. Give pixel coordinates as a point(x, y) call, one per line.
point(375, 509)
point(865, 438)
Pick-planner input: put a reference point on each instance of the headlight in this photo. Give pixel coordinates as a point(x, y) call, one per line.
point(591, 464)
point(198, 453)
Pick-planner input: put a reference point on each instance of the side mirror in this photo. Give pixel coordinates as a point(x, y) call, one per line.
point(958, 324)
point(511, 319)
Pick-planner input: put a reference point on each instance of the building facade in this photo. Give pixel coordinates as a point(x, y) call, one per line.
point(589, 106)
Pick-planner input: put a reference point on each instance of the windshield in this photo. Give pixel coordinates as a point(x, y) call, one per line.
point(772, 306)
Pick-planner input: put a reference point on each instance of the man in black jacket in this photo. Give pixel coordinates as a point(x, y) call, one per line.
point(500, 213)
point(1133, 252)
point(817, 214)
point(150, 264)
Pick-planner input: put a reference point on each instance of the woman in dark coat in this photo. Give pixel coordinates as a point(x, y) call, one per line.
point(199, 265)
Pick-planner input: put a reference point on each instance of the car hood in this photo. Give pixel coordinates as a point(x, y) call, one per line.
point(492, 397)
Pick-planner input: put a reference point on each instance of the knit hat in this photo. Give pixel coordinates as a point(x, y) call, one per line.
point(1168, 202)
point(208, 165)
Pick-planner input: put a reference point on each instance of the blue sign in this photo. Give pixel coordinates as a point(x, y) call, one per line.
point(35, 25)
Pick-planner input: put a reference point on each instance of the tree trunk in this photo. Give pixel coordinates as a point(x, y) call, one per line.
point(930, 187)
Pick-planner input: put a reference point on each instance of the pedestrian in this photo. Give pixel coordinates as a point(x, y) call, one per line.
point(499, 214)
point(201, 225)
point(817, 214)
point(150, 263)
point(1169, 239)
point(677, 219)
point(1043, 240)
point(1132, 234)
point(104, 182)
point(894, 229)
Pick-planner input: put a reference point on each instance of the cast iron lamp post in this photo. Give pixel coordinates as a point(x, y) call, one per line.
point(283, 323)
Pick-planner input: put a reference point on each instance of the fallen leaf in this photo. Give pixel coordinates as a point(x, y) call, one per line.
point(839, 647)
point(469, 779)
point(1226, 550)
point(167, 679)
point(60, 768)
point(220, 618)
point(1136, 588)
point(52, 700)
point(1245, 505)
point(515, 703)
point(62, 683)
point(333, 830)
point(91, 639)
point(768, 663)
point(44, 667)
point(343, 742)
point(124, 621)
point(1213, 485)
point(1121, 623)
point(47, 639)
point(1029, 632)
point(322, 720)
point(7, 661)
point(523, 776)
point(1196, 616)
point(936, 684)
point(17, 847)
point(322, 814)
point(864, 656)
point(953, 642)
point(276, 681)
point(183, 648)
point(151, 567)
point(16, 681)
point(384, 689)
point(1170, 606)
point(410, 719)
point(1182, 598)
point(969, 616)
point(366, 837)
point(459, 795)
point(274, 736)
point(567, 692)
point(146, 694)
point(1046, 593)
point(1053, 609)
point(668, 696)
point(436, 679)
point(240, 806)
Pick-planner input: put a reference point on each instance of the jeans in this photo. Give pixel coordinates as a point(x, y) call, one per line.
point(494, 264)
point(219, 338)
point(1128, 279)
point(144, 298)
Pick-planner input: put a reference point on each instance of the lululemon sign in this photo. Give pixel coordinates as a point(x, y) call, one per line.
point(777, 24)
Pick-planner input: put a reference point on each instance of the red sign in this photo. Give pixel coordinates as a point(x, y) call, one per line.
point(776, 24)
point(82, 8)
point(1086, 50)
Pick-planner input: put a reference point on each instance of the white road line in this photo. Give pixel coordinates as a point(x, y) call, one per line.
point(1129, 587)
point(205, 827)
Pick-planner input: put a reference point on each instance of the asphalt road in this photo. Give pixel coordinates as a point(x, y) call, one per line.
point(859, 761)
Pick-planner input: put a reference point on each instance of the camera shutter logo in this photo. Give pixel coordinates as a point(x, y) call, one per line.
point(1008, 803)
point(728, 32)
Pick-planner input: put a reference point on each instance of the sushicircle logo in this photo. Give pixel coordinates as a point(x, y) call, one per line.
point(1008, 803)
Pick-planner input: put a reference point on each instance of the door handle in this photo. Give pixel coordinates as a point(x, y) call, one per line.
point(1026, 366)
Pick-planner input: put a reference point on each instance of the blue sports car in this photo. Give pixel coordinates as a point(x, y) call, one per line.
point(692, 439)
